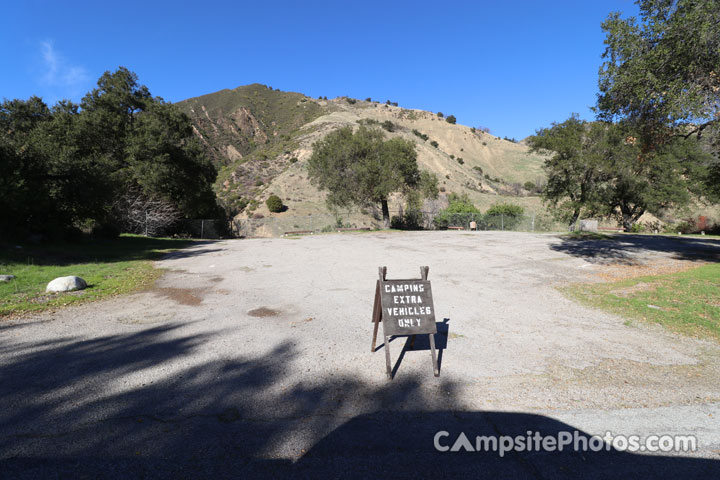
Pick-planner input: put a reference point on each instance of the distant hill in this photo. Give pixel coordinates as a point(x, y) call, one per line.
point(261, 138)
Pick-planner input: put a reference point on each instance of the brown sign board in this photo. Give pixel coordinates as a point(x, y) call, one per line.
point(405, 307)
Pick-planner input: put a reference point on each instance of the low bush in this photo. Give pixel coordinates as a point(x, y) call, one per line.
point(505, 215)
point(459, 205)
point(509, 209)
point(419, 134)
point(274, 204)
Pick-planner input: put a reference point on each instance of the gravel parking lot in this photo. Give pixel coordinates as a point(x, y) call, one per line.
point(252, 357)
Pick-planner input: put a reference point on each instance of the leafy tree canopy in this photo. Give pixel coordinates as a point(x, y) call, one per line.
point(70, 164)
point(663, 70)
point(661, 75)
point(360, 168)
point(597, 168)
point(460, 204)
point(507, 209)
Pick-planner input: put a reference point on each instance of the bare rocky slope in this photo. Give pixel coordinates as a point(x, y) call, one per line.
point(261, 138)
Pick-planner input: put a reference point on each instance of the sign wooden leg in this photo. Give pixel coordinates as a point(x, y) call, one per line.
point(375, 329)
point(436, 369)
point(387, 357)
point(412, 342)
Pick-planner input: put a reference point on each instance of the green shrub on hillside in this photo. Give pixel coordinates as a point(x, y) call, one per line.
point(274, 204)
point(509, 209)
point(419, 134)
point(440, 114)
point(434, 144)
point(388, 125)
point(451, 119)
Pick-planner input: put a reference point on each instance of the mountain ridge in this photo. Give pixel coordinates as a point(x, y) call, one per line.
point(261, 138)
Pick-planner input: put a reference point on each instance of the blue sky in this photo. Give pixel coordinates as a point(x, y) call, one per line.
point(512, 66)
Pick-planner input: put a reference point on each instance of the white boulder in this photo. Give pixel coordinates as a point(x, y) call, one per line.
point(66, 284)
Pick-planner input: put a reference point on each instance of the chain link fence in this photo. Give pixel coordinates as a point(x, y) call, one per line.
point(209, 228)
point(276, 226)
point(501, 222)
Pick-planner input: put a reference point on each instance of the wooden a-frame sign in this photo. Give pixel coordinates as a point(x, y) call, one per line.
point(404, 307)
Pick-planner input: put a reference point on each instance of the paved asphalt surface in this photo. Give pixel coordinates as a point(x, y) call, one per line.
point(251, 359)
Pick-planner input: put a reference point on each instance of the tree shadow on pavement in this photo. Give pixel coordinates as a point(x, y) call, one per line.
point(122, 249)
point(147, 405)
point(629, 249)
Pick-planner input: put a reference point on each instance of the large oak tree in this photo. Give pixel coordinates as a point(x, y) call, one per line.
point(597, 168)
point(73, 164)
point(361, 168)
point(661, 75)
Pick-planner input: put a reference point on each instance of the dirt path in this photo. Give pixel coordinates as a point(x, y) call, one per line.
point(257, 352)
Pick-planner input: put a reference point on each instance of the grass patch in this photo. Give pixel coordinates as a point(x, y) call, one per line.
point(684, 302)
point(110, 267)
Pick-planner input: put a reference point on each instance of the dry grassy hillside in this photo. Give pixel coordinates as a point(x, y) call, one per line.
point(261, 140)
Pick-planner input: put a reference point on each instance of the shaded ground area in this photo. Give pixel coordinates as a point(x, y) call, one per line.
point(212, 421)
point(633, 249)
point(151, 385)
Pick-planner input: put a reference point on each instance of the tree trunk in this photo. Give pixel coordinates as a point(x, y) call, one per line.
point(630, 216)
point(573, 220)
point(385, 213)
